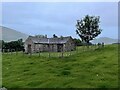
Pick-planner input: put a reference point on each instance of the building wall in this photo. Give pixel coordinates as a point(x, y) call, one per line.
point(45, 47)
point(53, 47)
point(29, 42)
point(68, 46)
point(38, 47)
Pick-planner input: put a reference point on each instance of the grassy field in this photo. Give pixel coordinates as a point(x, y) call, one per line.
point(89, 69)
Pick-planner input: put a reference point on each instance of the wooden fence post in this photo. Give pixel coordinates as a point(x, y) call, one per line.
point(49, 54)
point(8, 51)
point(76, 49)
point(49, 50)
point(16, 52)
point(39, 52)
point(3, 51)
point(30, 53)
point(23, 53)
point(11, 51)
point(70, 53)
point(58, 54)
point(62, 54)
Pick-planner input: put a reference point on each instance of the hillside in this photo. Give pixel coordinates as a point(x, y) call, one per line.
point(88, 69)
point(106, 40)
point(11, 34)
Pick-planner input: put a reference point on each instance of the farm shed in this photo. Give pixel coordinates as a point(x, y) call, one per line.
point(43, 44)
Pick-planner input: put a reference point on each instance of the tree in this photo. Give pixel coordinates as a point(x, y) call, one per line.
point(77, 42)
point(88, 28)
point(54, 36)
point(16, 45)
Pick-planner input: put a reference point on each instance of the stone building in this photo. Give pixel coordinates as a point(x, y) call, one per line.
point(43, 44)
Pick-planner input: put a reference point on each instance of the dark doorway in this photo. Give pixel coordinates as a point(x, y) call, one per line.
point(29, 48)
point(59, 47)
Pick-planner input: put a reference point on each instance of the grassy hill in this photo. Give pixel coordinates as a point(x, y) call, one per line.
point(106, 40)
point(89, 69)
point(9, 34)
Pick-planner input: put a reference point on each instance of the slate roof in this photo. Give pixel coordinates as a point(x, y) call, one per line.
point(38, 40)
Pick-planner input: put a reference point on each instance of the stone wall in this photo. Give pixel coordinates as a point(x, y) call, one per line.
point(68, 46)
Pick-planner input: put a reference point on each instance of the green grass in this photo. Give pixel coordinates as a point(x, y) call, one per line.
point(89, 69)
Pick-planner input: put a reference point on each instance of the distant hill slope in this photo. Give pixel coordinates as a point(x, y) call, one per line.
point(106, 40)
point(11, 34)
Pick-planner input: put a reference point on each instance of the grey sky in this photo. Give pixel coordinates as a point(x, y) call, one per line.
point(58, 18)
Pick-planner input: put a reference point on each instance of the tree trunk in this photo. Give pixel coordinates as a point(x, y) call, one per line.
point(87, 44)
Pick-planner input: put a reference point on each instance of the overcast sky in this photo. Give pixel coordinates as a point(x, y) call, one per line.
point(58, 18)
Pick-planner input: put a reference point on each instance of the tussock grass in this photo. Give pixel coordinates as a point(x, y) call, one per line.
point(90, 69)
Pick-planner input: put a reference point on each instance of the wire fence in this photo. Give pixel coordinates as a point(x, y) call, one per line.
point(79, 49)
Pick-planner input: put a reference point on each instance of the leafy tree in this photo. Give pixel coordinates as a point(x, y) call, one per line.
point(77, 42)
point(16, 45)
point(88, 28)
point(54, 36)
point(61, 37)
